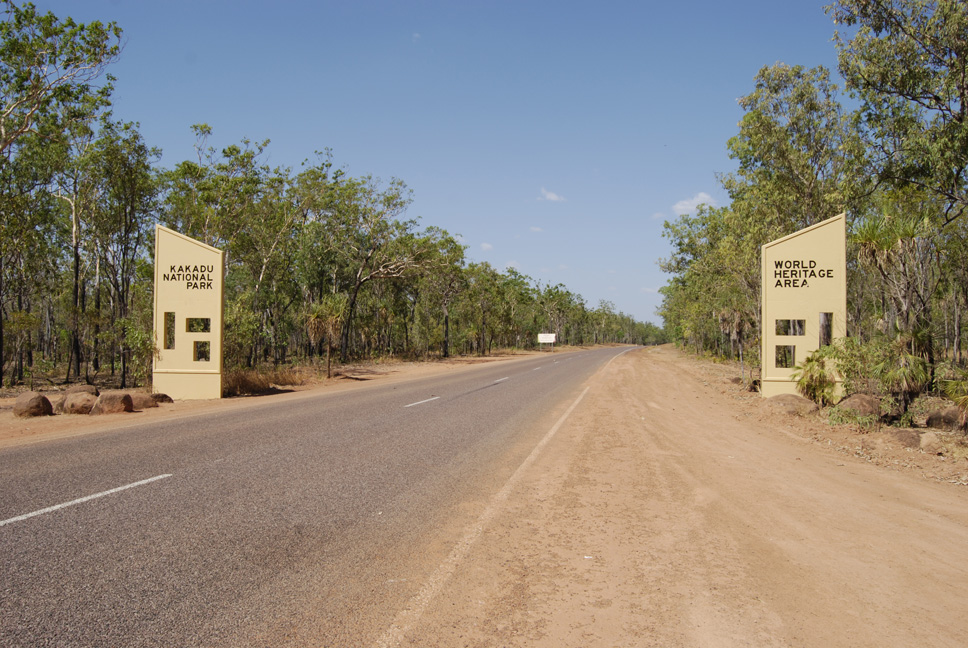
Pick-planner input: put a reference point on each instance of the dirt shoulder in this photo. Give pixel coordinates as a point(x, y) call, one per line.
point(670, 509)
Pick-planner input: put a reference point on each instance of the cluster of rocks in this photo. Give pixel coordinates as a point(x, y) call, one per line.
point(85, 399)
point(864, 405)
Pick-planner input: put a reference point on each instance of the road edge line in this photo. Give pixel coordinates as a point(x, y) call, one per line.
point(408, 617)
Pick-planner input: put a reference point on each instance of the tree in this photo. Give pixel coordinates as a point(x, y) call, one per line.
point(800, 159)
point(48, 68)
point(324, 321)
point(444, 277)
point(908, 62)
point(123, 217)
point(368, 240)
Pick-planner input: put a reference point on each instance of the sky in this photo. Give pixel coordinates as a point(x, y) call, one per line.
point(551, 137)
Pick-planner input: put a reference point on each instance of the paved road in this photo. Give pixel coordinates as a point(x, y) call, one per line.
point(306, 522)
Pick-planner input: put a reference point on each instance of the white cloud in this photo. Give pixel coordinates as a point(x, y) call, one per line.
point(487, 247)
point(416, 37)
point(512, 264)
point(658, 216)
point(649, 291)
point(551, 196)
point(688, 206)
point(536, 229)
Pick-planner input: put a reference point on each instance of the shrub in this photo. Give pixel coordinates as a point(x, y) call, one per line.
point(957, 390)
point(816, 376)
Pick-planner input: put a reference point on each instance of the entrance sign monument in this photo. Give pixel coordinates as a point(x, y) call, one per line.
point(188, 317)
point(804, 299)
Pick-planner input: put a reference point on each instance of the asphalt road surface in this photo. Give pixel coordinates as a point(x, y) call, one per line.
point(312, 521)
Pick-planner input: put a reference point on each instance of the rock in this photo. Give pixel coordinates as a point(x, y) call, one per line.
point(80, 402)
point(57, 401)
point(861, 405)
point(113, 403)
point(141, 400)
point(793, 405)
point(906, 437)
point(947, 419)
point(32, 404)
point(931, 444)
point(85, 389)
point(162, 398)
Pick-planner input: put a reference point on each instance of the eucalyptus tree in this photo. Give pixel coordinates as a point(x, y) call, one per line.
point(908, 62)
point(122, 221)
point(78, 185)
point(443, 279)
point(800, 158)
point(51, 77)
point(29, 251)
point(368, 239)
point(479, 304)
point(49, 68)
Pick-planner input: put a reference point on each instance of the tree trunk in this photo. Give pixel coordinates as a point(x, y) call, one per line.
point(956, 347)
point(75, 313)
point(348, 323)
point(446, 332)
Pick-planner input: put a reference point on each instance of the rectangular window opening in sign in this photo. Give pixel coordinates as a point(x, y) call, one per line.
point(199, 325)
point(203, 351)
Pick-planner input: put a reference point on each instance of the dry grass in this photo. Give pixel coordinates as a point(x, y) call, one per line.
point(241, 382)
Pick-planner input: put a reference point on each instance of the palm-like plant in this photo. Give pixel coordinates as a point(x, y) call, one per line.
point(957, 390)
point(816, 376)
point(325, 319)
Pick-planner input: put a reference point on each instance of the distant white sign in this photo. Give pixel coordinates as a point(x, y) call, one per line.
point(546, 338)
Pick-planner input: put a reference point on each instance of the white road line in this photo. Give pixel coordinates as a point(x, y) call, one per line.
point(421, 402)
point(502, 379)
point(536, 368)
point(51, 509)
point(408, 617)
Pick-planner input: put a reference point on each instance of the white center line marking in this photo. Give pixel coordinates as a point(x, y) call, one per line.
point(421, 402)
point(51, 509)
point(502, 379)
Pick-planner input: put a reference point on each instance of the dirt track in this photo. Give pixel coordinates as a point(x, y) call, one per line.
point(664, 514)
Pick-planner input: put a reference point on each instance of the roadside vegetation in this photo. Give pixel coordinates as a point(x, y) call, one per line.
point(892, 155)
point(320, 264)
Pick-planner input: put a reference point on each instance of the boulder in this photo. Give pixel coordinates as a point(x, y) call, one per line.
point(113, 403)
point(947, 419)
point(905, 436)
point(931, 444)
point(861, 405)
point(793, 405)
point(57, 400)
point(141, 400)
point(32, 404)
point(162, 398)
point(80, 402)
point(85, 389)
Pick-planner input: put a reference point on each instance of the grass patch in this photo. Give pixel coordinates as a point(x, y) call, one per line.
point(243, 382)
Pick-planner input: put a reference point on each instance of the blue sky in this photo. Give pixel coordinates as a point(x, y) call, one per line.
point(554, 137)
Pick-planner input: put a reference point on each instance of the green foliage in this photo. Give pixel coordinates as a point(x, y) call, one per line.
point(838, 416)
point(908, 62)
point(816, 376)
point(957, 390)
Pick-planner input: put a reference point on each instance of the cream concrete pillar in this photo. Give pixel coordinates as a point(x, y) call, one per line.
point(188, 317)
point(804, 299)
